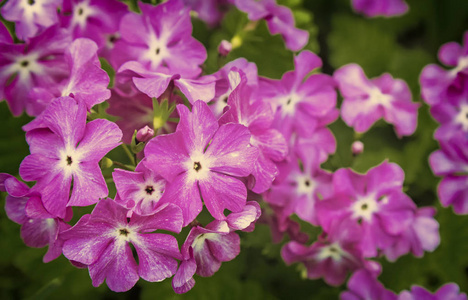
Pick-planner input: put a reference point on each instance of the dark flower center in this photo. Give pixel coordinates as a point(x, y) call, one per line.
point(307, 183)
point(80, 11)
point(364, 206)
point(124, 231)
point(288, 102)
point(196, 166)
point(31, 2)
point(69, 160)
point(157, 51)
point(24, 63)
point(333, 249)
point(225, 99)
point(149, 190)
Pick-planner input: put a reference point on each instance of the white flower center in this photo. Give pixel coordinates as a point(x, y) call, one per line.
point(198, 167)
point(81, 12)
point(305, 184)
point(150, 191)
point(377, 97)
point(462, 117)
point(364, 208)
point(157, 50)
point(69, 160)
point(288, 104)
point(334, 251)
point(462, 64)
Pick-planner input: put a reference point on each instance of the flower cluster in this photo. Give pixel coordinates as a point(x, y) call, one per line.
point(446, 91)
point(232, 147)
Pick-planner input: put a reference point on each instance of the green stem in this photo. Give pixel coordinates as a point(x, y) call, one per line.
point(129, 154)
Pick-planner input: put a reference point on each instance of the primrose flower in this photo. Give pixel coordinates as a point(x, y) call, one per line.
point(30, 17)
point(203, 159)
point(363, 285)
point(375, 8)
point(69, 149)
point(101, 242)
point(366, 101)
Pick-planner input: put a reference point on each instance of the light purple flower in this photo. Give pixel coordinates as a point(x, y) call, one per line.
point(438, 84)
point(452, 114)
point(203, 159)
point(422, 235)
point(155, 83)
point(38, 63)
point(332, 256)
point(87, 82)
point(160, 38)
point(357, 148)
point(279, 20)
point(101, 242)
point(301, 104)
point(302, 188)
point(451, 162)
point(31, 17)
point(257, 116)
point(139, 191)
point(38, 227)
point(376, 8)
point(68, 150)
point(448, 291)
point(224, 48)
point(228, 78)
point(363, 285)
point(366, 101)
point(203, 252)
point(93, 19)
point(280, 224)
point(374, 200)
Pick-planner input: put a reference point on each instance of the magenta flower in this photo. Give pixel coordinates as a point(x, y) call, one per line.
point(93, 19)
point(203, 159)
point(210, 11)
point(366, 101)
point(257, 116)
point(438, 84)
point(452, 163)
point(101, 242)
point(376, 8)
point(374, 200)
point(363, 286)
point(301, 104)
point(31, 17)
point(38, 227)
point(228, 78)
point(68, 149)
point(160, 38)
point(331, 257)
point(301, 188)
point(38, 63)
point(280, 20)
point(452, 114)
point(139, 191)
point(422, 235)
point(448, 291)
point(87, 82)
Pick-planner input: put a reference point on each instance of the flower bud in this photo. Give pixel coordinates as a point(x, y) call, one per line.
point(357, 148)
point(144, 134)
point(224, 48)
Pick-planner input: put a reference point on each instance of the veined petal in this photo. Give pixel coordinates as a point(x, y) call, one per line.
point(230, 152)
point(157, 255)
point(89, 185)
point(100, 137)
point(221, 192)
point(117, 266)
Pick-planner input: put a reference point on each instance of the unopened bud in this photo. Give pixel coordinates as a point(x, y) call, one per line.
point(144, 134)
point(224, 48)
point(357, 148)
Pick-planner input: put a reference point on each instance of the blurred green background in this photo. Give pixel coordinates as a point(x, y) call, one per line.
point(401, 46)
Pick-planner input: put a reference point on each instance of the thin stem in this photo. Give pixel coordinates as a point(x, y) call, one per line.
point(129, 154)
